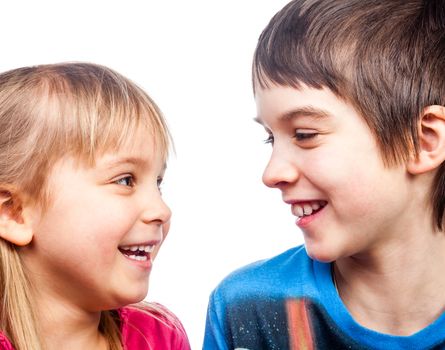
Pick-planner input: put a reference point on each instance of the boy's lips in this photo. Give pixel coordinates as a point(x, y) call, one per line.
point(305, 207)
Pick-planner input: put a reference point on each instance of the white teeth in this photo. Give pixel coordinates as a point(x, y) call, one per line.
point(142, 248)
point(149, 248)
point(138, 257)
point(299, 210)
point(306, 209)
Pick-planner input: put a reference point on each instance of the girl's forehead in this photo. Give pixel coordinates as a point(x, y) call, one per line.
point(142, 155)
point(142, 144)
point(143, 137)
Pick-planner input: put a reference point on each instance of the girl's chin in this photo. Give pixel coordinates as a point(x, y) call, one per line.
point(127, 299)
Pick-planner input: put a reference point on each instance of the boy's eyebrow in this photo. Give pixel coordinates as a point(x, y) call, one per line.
point(307, 111)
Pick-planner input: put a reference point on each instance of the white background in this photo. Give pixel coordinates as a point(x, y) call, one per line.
point(194, 58)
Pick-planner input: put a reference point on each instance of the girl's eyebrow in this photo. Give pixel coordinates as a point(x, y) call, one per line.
point(307, 111)
point(137, 161)
point(124, 160)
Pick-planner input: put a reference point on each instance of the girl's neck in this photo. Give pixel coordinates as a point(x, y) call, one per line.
point(399, 290)
point(63, 326)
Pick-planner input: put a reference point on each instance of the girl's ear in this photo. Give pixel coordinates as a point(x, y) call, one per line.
point(15, 223)
point(431, 141)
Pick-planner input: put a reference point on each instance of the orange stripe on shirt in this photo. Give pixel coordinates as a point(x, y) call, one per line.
point(300, 337)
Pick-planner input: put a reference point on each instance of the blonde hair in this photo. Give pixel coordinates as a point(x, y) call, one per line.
point(46, 112)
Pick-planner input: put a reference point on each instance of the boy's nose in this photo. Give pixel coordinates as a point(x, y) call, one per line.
point(280, 170)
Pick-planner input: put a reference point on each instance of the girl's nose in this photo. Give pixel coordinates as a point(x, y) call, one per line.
point(281, 169)
point(156, 210)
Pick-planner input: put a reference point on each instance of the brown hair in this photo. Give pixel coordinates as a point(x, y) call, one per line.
point(47, 112)
point(386, 58)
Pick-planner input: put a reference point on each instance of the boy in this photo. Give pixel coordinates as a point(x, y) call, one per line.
point(352, 95)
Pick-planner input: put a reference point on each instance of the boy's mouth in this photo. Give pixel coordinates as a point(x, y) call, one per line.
point(137, 252)
point(303, 209)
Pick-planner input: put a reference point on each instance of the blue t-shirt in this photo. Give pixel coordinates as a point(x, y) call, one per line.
point(290, 302)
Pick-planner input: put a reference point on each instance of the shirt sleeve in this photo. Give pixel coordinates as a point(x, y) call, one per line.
point(5, 343)
point(147, 328)
point(214, 337)
point(181, 341)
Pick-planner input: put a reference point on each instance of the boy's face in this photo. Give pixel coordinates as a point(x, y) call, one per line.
point(328, 167)
point(91, 247)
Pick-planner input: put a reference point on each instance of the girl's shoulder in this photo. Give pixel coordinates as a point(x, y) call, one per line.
point(151, 325)
point(5, 344)
point(143, 326)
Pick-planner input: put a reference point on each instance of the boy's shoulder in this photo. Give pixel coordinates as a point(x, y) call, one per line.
point(147, 326)
point(251, 306)
point(289, 272)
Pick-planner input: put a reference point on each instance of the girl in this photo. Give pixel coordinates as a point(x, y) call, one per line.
point(82, 156)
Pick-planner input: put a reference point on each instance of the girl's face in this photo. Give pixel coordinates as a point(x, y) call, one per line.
point(94, 245)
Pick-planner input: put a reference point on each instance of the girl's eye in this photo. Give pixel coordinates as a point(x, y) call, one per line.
point(125, 181)
point(159, 182)
point(304, 135)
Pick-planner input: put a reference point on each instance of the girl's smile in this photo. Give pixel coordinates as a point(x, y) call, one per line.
point(103, 227)
point(140, 254)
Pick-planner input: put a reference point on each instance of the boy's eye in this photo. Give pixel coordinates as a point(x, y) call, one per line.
point(125, 181)
point(304, 135)
point(269, 139)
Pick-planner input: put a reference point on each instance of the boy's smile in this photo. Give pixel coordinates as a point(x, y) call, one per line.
point(305, 210)
point(328, 167)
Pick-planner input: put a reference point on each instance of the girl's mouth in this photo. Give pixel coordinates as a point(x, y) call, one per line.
point(137, 252)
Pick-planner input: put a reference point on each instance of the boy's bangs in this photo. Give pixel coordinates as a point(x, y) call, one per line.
point(292, 51)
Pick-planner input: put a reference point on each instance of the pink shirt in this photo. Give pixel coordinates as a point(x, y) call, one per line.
point(142, 331)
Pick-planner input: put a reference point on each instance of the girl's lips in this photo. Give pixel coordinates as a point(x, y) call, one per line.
point(141, 261)
point(139, 254)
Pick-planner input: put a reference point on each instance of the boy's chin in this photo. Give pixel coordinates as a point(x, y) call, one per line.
point(321, 254)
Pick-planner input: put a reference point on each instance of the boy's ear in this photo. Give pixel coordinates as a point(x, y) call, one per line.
point(15, 223)
point(431, 130)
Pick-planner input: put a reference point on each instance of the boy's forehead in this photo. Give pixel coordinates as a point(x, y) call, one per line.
point(305, 111)
point(284, 103)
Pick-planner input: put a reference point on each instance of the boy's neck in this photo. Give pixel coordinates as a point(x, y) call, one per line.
point(398, 290)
